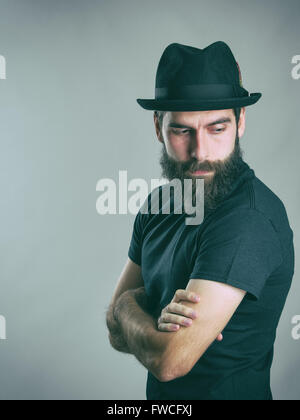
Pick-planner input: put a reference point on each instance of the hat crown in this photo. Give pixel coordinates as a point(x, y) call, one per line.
point(194, 79)
point(184, 65)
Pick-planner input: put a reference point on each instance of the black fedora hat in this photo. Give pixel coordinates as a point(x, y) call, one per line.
point(194, 79)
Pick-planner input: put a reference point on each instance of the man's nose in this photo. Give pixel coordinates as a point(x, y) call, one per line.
point(199, 146)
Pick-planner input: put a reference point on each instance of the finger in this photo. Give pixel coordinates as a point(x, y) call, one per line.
point(182, 294)
point(168, 327)
point(175, 319)
point(220, 337)
point(177, 308)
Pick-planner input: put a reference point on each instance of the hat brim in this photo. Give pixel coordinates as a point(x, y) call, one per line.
point(197, 105)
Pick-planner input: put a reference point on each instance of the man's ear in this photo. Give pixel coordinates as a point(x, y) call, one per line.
point(242, 122)
point(157, 128)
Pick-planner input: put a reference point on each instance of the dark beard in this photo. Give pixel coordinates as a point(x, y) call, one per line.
point(216, 187)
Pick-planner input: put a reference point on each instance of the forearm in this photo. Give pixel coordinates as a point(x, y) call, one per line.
point(140, 332)
point(116, 338)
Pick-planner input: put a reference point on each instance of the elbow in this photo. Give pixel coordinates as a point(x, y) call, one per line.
point(161, 369)
point(175, 364)
point(168, 376)
point(170, 369)
point(163, 375)
point(168, 373)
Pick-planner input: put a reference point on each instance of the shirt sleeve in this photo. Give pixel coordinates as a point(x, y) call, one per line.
point(241, 249)
point(140, 221)
point(135, 247)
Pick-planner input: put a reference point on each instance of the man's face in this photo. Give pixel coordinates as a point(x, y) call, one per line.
point(205, 145)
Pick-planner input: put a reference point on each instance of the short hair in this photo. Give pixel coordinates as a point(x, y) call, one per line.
point(160, 115)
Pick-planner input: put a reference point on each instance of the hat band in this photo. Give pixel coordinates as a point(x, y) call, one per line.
point(208, 91)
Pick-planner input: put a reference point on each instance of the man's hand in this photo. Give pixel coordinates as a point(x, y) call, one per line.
point(176, 314)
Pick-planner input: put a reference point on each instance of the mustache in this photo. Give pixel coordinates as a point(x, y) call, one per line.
point(194, 166)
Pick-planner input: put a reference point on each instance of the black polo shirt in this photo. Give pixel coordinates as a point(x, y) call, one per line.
point(246, 242)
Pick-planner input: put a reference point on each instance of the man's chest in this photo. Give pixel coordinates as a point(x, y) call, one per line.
point(168, 254)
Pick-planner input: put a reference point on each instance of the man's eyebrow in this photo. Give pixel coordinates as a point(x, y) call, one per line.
point(219, 121)
point(177, 125)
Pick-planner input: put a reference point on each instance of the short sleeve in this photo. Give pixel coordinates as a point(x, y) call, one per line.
point(241, 249)
point(140, 221)
point(135, 247)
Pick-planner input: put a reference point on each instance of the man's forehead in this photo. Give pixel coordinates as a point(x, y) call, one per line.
point(193, 116)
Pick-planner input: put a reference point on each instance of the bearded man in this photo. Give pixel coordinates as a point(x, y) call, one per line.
point(198, 305)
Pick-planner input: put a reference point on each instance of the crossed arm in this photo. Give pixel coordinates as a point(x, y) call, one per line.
point(168, 356)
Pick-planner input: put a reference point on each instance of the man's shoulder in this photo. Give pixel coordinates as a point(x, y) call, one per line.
point(264, 197)
point(267, 202)
point(258, 200)
point(255, 194)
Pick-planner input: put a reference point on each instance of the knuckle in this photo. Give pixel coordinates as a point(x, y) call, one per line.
point(172, 307)
point(175, 308)
point(181, 309)
point(168, 308)
point(181, 320)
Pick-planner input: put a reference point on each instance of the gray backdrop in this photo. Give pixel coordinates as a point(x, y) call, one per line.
point(68, 118)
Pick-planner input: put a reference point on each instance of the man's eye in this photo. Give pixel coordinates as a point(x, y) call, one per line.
point(218, 130)
point(184, 131)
